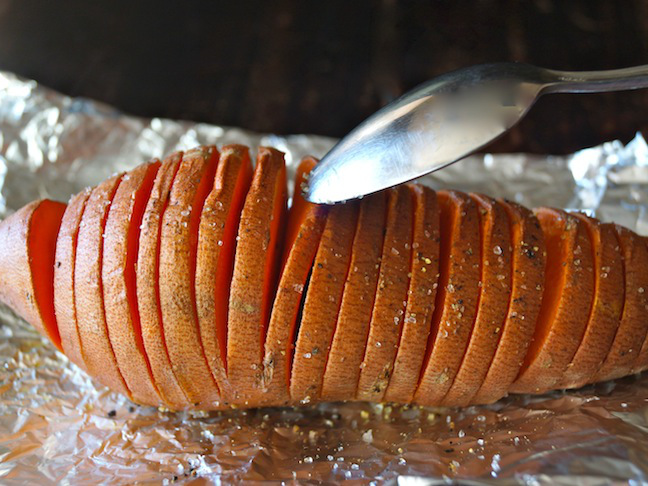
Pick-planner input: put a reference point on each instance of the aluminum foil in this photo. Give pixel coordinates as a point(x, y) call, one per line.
point(59, 427)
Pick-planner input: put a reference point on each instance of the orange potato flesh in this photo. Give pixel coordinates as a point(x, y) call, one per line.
point(28, 243)
point(215, 260)
point(352, 328)
point(254, 280)
point(148, 289)
point(566, 302)
point(456, 300)
point(607, 307)
point(391, 297)
point(178, 253)
point(633, 326)
point(528, 255)
point(322, 303)
point(96, 348)
point(121, 242)
point(300, 208)
point(65, 307)
point(496, 277)
point(420, 297)
point(305, 226)
point(45, 226)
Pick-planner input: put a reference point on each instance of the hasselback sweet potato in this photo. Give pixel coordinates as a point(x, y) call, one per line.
point(185, 284)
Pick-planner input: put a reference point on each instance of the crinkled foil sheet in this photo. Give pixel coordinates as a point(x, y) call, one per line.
point(59, 427)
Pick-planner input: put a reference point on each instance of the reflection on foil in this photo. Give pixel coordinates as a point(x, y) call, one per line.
point(57, 426)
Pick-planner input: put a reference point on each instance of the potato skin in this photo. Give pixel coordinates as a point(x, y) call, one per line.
point(148, 294)
point(119, 283)
point(66, 246)
point(96, 348)
point(408, 296)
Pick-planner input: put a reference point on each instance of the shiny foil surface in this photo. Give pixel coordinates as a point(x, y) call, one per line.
point(59, 427)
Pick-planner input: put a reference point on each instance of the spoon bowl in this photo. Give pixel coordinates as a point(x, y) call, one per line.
point(443, 121)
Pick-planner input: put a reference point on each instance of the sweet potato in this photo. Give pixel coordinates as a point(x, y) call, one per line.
point(632, 329)
point(421, 295)
point(121, 242)
point(492, 306)
point(64, 305)
point(178, 252)
point(641, 364)
point(407, 295)
point(456, 299)
point(322, 304)
point(352, 328)
point(96, 348)
point(304, 229)
point(566, 302)
point(148, 289)
point(606, 309)
point(28, 243)
point(215, 260)
point(254, 280)
point(391, 297)
point(528, 260)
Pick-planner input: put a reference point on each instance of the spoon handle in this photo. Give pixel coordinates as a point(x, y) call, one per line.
point(598, 81)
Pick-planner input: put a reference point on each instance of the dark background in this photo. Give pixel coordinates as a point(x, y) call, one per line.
point(321, 67)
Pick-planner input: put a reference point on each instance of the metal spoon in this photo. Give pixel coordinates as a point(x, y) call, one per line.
point(444, 120)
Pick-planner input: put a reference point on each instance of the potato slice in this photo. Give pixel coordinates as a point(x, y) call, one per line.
point(178, 253)
point(352, 328)
point(456, 300)
point(96, 348)
point(420, 297)
point(492, 307)
point(256, 268)
point(322, 303)
point(304, 230)
point(566, 302)
point(66, 245)
point(607, 307)
point(121, 243)
point(390, 303)
point(148, 289)
point(215, 262)
point(632, 329)
point(528, 254)
point(28, 243)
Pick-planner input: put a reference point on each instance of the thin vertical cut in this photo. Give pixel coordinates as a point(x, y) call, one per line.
point(121, 241)
point(28, 244)
point(633, 326)
point(456, 300)
point(96, 349)
point(352, 328)
point(496, 278)
point(305, 226)
point(66, 245)
point(423, 285)
point(322, 304)
point(178, 251)
point(254, 280)
point(606, 309)
point(148, 296)
point(391, 297)
point(528, 255)
point(566, 302)
point(215, 261)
